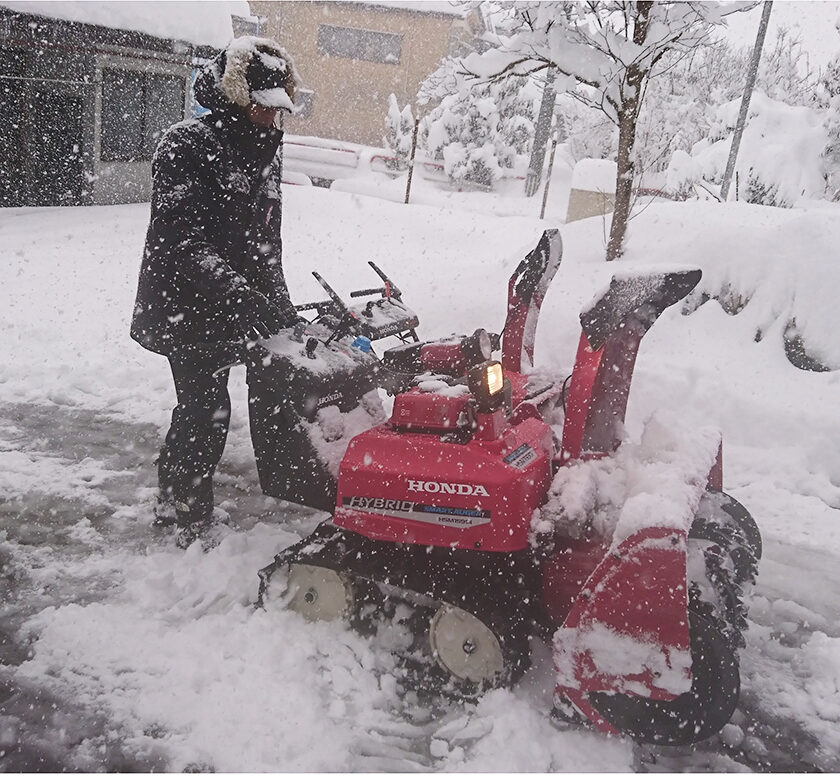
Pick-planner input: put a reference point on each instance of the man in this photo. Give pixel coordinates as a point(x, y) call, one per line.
point(211, 279)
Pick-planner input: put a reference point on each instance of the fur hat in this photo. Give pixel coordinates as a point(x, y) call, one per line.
point(258, 70)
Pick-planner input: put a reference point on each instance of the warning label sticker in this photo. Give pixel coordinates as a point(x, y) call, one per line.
point(521, 457)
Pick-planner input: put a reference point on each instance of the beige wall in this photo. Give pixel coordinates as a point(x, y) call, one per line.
point(585, 204)
point(351, 96)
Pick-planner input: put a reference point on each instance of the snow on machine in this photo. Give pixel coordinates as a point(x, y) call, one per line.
point(497, 505)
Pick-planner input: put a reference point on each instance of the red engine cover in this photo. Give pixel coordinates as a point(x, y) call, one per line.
point(398, 486)
point(426, 411)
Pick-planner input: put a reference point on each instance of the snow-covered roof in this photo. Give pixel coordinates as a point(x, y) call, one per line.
point(445, 7)
point(201, 23)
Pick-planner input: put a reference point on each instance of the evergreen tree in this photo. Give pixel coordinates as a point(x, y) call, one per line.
point(399, 133)
point(477, 130)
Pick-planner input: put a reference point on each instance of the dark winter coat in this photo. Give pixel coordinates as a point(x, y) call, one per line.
point(215, 226)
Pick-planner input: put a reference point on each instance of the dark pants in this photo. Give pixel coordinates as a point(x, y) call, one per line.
point(197, 435)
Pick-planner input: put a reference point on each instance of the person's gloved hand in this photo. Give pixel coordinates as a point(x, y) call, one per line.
point(291, 318)
point(257, 313)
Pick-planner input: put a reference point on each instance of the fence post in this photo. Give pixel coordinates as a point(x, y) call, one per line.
point(411, 161)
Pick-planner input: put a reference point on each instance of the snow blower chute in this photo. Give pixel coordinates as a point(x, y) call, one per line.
point(456, 520)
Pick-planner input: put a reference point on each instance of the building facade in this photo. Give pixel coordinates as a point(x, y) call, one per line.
point(82, 109)
point(353, 55)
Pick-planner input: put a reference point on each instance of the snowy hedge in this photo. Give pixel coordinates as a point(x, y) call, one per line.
point(780, 158)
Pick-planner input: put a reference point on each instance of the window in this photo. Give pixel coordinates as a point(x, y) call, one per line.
point(247, 25)
point(164, 107)
point(136, 108)
point(304, 103)
point(353, 43)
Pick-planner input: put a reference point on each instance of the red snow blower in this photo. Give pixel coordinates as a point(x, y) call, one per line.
point(453, 517)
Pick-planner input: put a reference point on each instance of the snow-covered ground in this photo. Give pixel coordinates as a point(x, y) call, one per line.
point(119, 651)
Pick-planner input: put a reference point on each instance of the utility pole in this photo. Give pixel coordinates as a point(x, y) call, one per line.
point(549, 173)
point(752, 72)
point(541, 135)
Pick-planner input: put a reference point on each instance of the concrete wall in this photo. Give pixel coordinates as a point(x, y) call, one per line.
point(593, 189)
point(584, 204)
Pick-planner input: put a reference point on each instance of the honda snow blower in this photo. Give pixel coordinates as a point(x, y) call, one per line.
point(473, 515)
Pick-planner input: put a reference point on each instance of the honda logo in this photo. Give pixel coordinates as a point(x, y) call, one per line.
point(459, 488)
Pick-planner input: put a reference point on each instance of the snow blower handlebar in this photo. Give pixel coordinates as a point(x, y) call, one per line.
point(376, 319)
point(388, 289)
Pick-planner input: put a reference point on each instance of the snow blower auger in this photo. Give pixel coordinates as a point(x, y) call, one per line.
point(472, 520)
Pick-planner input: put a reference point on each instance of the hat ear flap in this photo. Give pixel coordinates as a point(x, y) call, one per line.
point(234, 81)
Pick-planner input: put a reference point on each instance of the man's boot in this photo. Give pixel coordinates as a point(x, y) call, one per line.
point(165, 512)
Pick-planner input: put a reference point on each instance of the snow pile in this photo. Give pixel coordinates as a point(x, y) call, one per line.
point(821, 658)
point(191, 675)
point(594, 175)
point(202, 23)
point(20, 472)
point(332, 430)
point(784, 270)
point(505, 734)
point(654, 483)
point(779, 159)
point(807, 646)
point(188, 669)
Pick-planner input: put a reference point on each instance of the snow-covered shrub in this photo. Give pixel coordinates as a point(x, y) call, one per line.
point(829, 98)
point(779, 159)
point(399, 133)
point(478, 130)
point(758, 191)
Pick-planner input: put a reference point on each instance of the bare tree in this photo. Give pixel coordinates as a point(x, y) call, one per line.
point(604, 53)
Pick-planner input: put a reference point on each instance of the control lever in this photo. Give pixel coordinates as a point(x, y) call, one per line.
point(331, 293)
point(343, 325)
point(391, 289)
point(369, 291)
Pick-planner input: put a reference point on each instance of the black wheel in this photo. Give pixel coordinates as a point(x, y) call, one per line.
point(692, 716)
point(739, 513)
point(722, 520)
